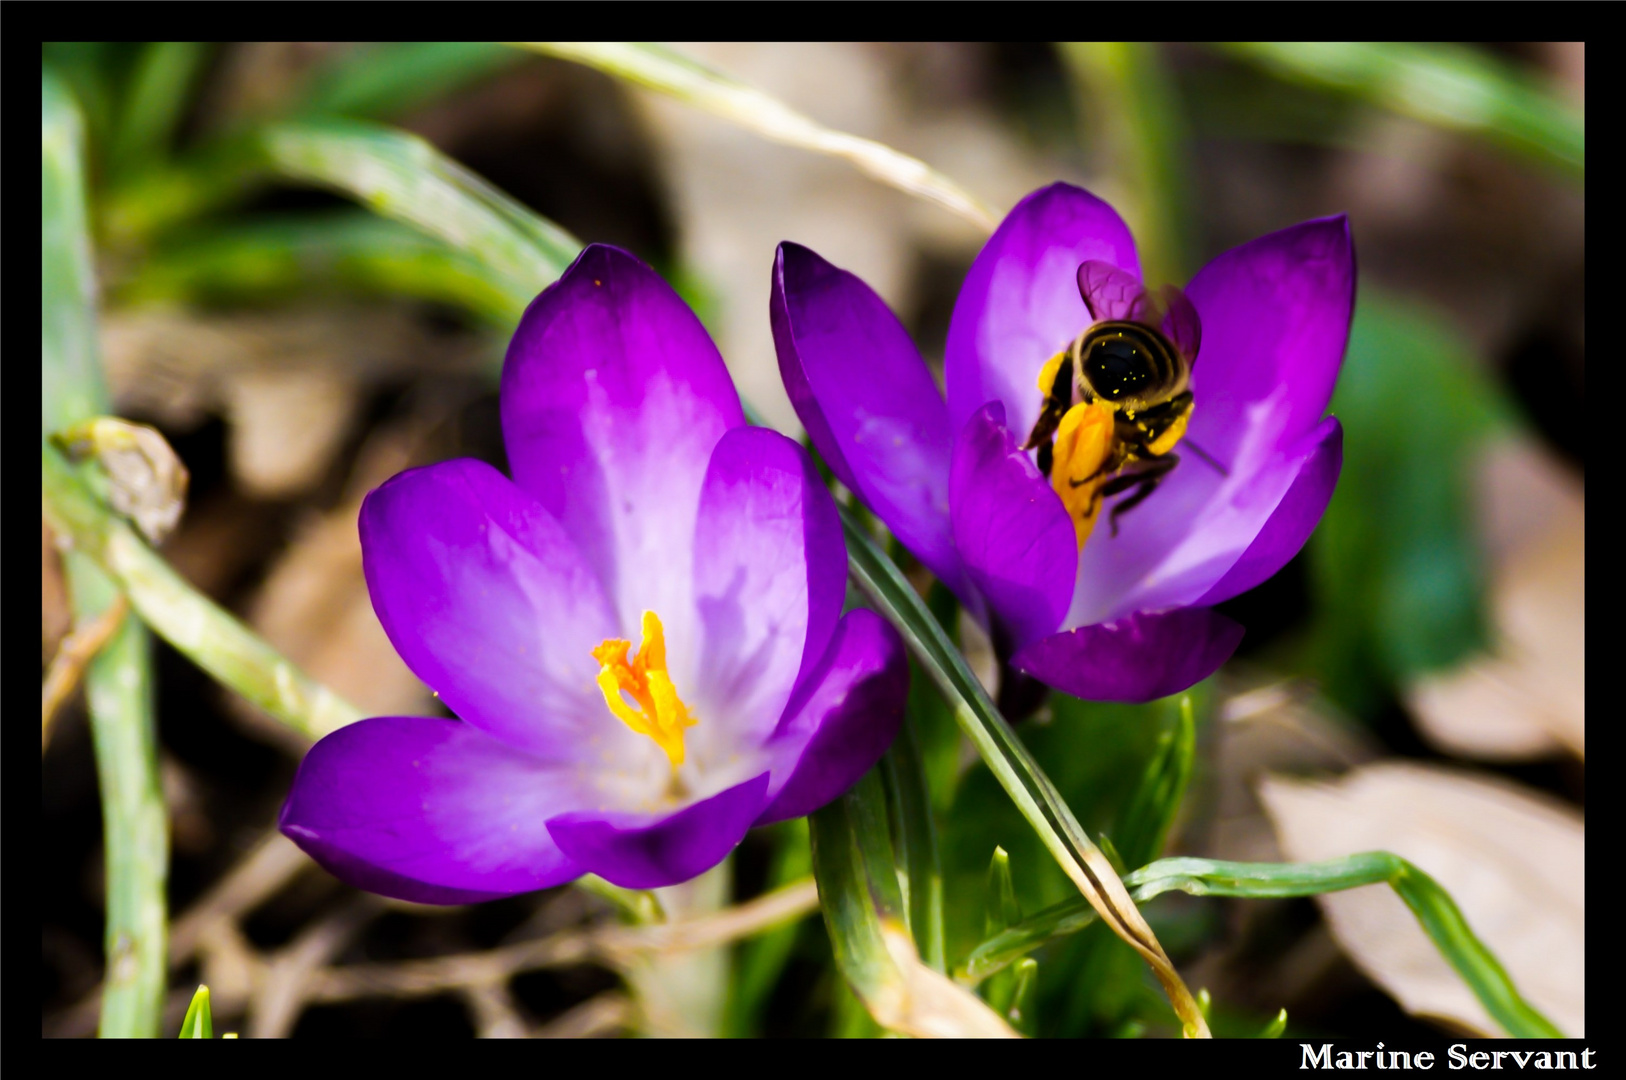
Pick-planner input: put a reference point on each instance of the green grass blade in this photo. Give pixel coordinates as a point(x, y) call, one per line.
point(401, 176)
point(1449, 86)
point(350, 251)
point(1436, 912)
point(1132, 107)
point(118, 682)
point(845, 848)
point(154, 102)
point(693, 83)
point(384, 79)
point(1146, 819)
point(915, 838)
point(197, 627)
point(199, 1023)
point(1015, 769)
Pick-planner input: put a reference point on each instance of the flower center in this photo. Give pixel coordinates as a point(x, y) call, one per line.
point(659, 712)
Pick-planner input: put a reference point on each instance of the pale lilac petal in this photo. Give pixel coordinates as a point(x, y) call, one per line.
point(1293, 520)
point(1020, 303)
point(1275, 317)
point(1011, 529)
point(1139, 658)
point(770, 574)
point(843, 718)
point(649, 851)
point(1173, 548)
point(430, 810)
point(868, 402)
point(613, 397)
point(491, 604)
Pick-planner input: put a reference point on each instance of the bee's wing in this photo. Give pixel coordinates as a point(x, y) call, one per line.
point(1180, 323)
point(1110, 293)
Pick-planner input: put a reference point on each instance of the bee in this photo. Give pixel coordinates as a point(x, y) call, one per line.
point(1118, 399)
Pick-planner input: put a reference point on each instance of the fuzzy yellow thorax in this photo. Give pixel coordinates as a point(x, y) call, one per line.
point(660, 713)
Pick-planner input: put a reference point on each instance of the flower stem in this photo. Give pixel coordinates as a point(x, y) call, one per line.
point(118, 681)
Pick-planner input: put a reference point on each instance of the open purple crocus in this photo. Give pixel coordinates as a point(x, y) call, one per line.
point(1127, 616)
point(641, 632)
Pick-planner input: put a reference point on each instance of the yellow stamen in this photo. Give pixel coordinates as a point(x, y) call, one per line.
point(660, 713)
point(1083, 443)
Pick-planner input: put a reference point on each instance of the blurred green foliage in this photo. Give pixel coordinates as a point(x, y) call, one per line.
point(1398, 580)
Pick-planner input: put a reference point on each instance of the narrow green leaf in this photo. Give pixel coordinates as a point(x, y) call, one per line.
point(1002, 909)
point(383, 79)
point(154, 102)
point(1023, 1009)
point(196, 626)
point(845, 876)
point(1436, 912)
point(118, 681)
point(351, 251)
point(693, 83)
point(1455, 87)
point(1146, 820)
point(914, 836)
point(1274, 1029)
point(199, 1024)
point(401, 176)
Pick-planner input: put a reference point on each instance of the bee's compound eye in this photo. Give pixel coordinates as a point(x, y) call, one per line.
point(1118, 365)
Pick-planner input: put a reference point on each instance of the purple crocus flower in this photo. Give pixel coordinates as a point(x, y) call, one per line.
point(1122, 613)
point(641, 631)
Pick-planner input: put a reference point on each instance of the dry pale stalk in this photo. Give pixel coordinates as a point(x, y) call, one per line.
point(75, 654)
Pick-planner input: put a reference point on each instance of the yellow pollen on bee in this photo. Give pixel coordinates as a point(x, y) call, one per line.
point(1083, 444)
point(1047, 374)
point(660, 713)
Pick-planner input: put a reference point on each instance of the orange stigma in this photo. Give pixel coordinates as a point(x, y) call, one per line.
point(660, 713)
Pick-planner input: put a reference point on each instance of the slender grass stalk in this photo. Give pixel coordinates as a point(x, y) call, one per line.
point(1437, 913)
point(1449, 86)
point(195, 625)
point(693, 83)
point(118, 681)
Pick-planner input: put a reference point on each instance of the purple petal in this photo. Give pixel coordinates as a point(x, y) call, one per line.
point(1275, 316)
point(430, 810)
point(845, 715)
point(613, 397)
point(1011, 529)
point(1171, 550)
point(491, 604)
point(1139, 658)
point(770, 574)
point(868, 402)
point(1020, 303)
point(1293, 520)
point(644, 851)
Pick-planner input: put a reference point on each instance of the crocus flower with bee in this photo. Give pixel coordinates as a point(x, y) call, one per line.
point(1069, 388)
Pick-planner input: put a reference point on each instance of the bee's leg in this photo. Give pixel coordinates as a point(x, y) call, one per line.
point(1146, 475)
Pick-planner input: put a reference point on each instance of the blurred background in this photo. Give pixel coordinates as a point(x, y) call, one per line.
point(1413, 681)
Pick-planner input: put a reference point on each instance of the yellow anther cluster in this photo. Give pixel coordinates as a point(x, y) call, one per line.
point(660, 714)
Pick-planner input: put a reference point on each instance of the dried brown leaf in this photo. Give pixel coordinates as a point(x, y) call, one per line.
point(1528, 698)
point(1513, 861)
